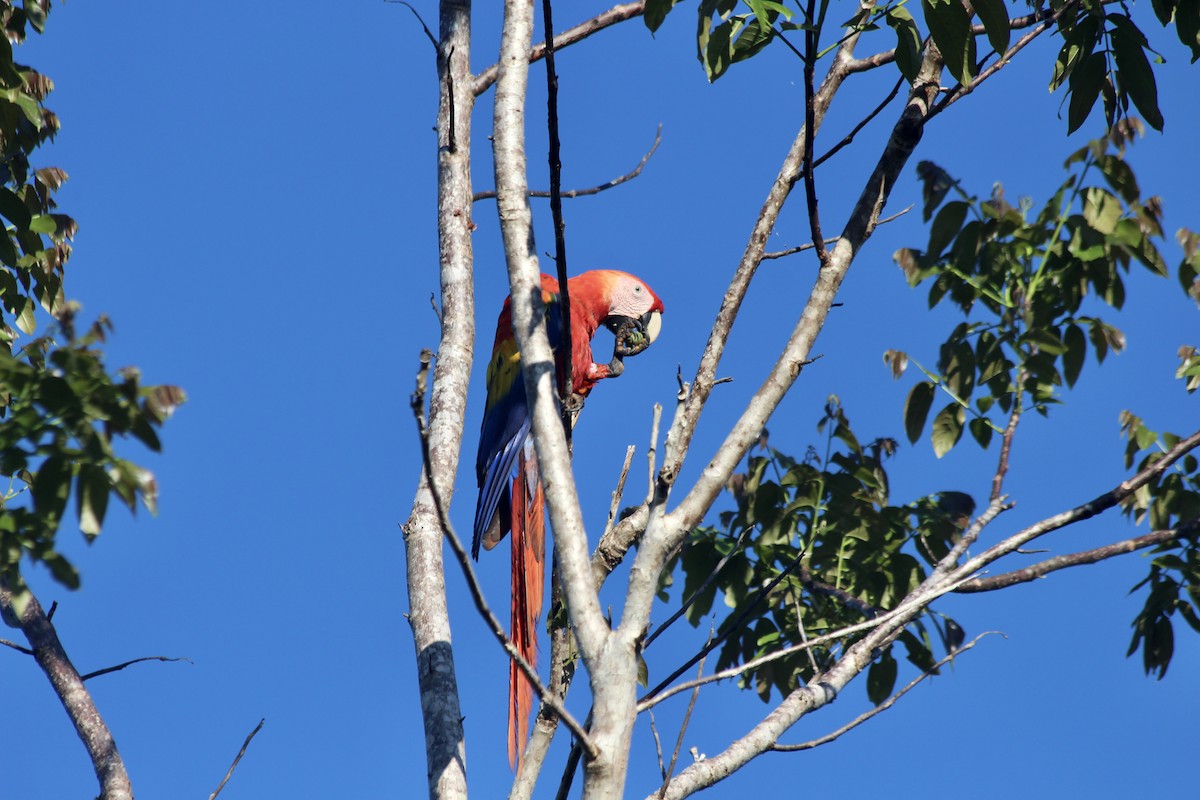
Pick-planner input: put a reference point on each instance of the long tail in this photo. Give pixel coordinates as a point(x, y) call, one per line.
point(528, 581)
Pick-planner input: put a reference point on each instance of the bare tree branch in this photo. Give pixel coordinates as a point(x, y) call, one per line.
point(16, 647)
point(573, 193)
point(905, 135)
point(20, 609)
point(670, 770)
point(464, 563)
point(884, 706)
point(1095, 555)
point(425, 571)
point(120, 667)
point(242, 752)
point(1081, 512)
point(567, 38)
point(832, 240)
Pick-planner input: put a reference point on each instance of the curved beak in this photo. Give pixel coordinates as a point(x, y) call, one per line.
point(652, 324)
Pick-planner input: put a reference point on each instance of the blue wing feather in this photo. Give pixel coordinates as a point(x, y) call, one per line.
point(506, 423)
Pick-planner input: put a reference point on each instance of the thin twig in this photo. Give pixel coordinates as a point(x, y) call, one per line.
point(662, 765)
point(808, 246)
point(428, 34)
point(683, 727)
point(241, 752)
point(1006, 442)
point(464, 562)
point(119, 667)
point(16, 646)
point(810, 186)
point(849, 137)
point(570, 36)
point(960, 92)
point(648, 701)
point(619, 492)
point(712, 576)
point(566, 386)
point(732, 626)
point(490, 194)
point(1043, 568)
point(884, 706)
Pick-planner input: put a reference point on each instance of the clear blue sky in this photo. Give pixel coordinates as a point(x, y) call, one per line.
point(255, 193)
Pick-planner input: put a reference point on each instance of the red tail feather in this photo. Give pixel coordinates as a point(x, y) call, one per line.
point(528, 580)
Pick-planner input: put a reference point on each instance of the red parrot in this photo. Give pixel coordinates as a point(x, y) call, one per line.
point(632, 311)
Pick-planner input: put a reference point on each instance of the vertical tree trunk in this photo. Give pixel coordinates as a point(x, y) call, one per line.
point(444, 746)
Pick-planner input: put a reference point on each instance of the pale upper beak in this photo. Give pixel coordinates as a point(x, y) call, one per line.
point(652, 324)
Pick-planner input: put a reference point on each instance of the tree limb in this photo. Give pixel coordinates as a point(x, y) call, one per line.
point(120, 667)
point(464, 563)
point(573, 193)
point(245, 746)
point(884, 706)
point(1097, 554)
point(21, 609)
point(567, 38)
point(440, 708)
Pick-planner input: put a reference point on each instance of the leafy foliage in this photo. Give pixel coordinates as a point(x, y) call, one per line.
point(814, 546)
point(61, 411)
point(1103, 55)
point(1021, 279)
point(1171, 501)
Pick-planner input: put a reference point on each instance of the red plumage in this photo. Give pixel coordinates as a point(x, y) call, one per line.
point(599, 297)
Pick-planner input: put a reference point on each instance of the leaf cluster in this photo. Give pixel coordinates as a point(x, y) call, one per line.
point(813, 546)
point(1103, 56)
point(1021, 277)
point(1173, 582)
point(61, 410)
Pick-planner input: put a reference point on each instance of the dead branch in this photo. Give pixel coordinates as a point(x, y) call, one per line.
point(567, 38)
point(573, 193)
point(884, 706)
point(464, 563)
point(21, 609)
point(241, 752)
point(1093, 556)
point(808, 246)
point(120, 667)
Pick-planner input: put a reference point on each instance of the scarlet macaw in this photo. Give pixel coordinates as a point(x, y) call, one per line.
point(629, 308)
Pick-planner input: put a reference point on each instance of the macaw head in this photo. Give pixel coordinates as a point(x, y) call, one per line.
point(634, 312)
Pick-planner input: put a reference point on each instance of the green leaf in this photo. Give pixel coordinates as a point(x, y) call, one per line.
point(1187, 25)
point(881, 678)
point(916, 409)
point(950, 26)
point(981, 431)
point(43, 223)
point(91, 496)
point(1076, 344)
point(1101, 210)
point(946, 226)
point(1086, 81)
point(947, 429)
point(1077, 45)
point(1046, 340)
point(752, 39)
point(908, 42)
point(656, 11)
point(994, 17)
point(51, 486)
point(13, 208)
point(1135, 77)
point(718, 54)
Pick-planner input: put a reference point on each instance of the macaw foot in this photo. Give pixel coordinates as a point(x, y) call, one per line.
point(631, 338)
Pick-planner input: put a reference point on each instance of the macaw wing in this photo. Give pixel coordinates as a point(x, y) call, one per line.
point(506, 426)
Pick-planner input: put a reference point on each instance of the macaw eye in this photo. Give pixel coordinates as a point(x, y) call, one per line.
point(637, 289)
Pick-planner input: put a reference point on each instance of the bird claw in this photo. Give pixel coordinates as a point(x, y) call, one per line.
point(631, 338)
